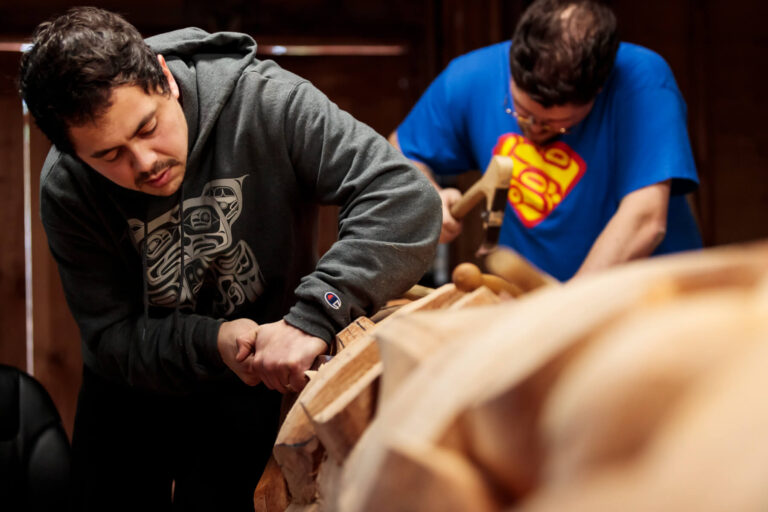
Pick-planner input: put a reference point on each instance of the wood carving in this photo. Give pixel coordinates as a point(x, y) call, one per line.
point(577, 396)
point(595, 395)
point(271, 492)
point(665, 349)
point(298, 453)
point(707, 454)
point(297, 449)
point(482, 296)
point(339, 402)
point(512, 267)
point(434, 478)
point(353, 332)
point(403, 347)
point(344, 406)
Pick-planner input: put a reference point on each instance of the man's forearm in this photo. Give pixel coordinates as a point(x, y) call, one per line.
point(634, 231)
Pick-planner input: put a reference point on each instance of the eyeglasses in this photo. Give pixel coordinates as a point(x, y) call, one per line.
point(530, 121)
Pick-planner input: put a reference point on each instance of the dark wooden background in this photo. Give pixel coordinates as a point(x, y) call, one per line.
point(390, 50)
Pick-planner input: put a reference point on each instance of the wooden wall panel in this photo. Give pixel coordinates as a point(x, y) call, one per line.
point(55, 349)
point(469, 25)
point(309, 20)
point(12, 284)
point(736, 81)
point(57, 358)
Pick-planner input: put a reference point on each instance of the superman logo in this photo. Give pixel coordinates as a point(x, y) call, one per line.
point(541, 177)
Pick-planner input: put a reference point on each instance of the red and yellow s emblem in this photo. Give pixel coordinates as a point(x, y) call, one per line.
point(541, 177)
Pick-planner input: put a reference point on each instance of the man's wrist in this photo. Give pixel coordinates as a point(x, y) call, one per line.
point(309, 319)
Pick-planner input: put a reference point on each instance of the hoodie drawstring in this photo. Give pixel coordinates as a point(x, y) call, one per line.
point(145, 283)
point(176, 330)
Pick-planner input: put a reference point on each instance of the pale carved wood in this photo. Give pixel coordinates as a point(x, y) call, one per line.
point(297, 449)
point(433, 478)
point(514, 268)
point(707, 454)
point(459, 397)
point(338, 402)
point(271, 492)
point(404, 350)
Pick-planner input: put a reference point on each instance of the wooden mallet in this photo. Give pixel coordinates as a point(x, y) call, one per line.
point(494, 186)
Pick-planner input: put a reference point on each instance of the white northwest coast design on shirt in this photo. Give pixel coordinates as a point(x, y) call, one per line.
point(210, 254)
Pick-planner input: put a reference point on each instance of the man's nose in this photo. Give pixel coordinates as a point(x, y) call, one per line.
point(532, 132)
point(143, 158)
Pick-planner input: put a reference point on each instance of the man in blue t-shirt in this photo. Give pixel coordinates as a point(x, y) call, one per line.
point(596, 130)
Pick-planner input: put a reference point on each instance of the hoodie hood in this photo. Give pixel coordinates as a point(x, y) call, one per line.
point(207, 68)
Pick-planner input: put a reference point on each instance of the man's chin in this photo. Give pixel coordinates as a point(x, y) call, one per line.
point(539, 140)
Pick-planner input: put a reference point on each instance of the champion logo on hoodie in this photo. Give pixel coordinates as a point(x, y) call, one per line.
point(333, 300)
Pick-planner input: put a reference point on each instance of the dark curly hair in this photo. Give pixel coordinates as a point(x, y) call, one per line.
point(563, 51)
point(75, 61)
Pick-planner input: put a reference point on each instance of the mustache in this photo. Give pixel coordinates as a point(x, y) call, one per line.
point(158, 168)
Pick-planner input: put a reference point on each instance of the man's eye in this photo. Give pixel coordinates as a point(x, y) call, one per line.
point(112, 155)
point(150, 128)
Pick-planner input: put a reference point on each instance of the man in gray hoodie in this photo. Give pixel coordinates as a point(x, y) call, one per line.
point(180, 202)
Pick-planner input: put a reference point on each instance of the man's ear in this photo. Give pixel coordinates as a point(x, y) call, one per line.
point(169, 77)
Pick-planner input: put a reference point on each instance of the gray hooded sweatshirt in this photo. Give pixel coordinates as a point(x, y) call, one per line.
point(150, 279)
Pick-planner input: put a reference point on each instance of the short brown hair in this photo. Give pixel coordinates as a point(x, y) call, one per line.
point(563, 50)
point(66, 78)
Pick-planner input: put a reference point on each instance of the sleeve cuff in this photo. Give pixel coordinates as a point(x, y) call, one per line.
point(307, 317)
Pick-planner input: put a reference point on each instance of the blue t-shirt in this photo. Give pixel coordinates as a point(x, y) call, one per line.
point(562, 195)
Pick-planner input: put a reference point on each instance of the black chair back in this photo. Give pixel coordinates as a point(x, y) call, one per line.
point(34, 449)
